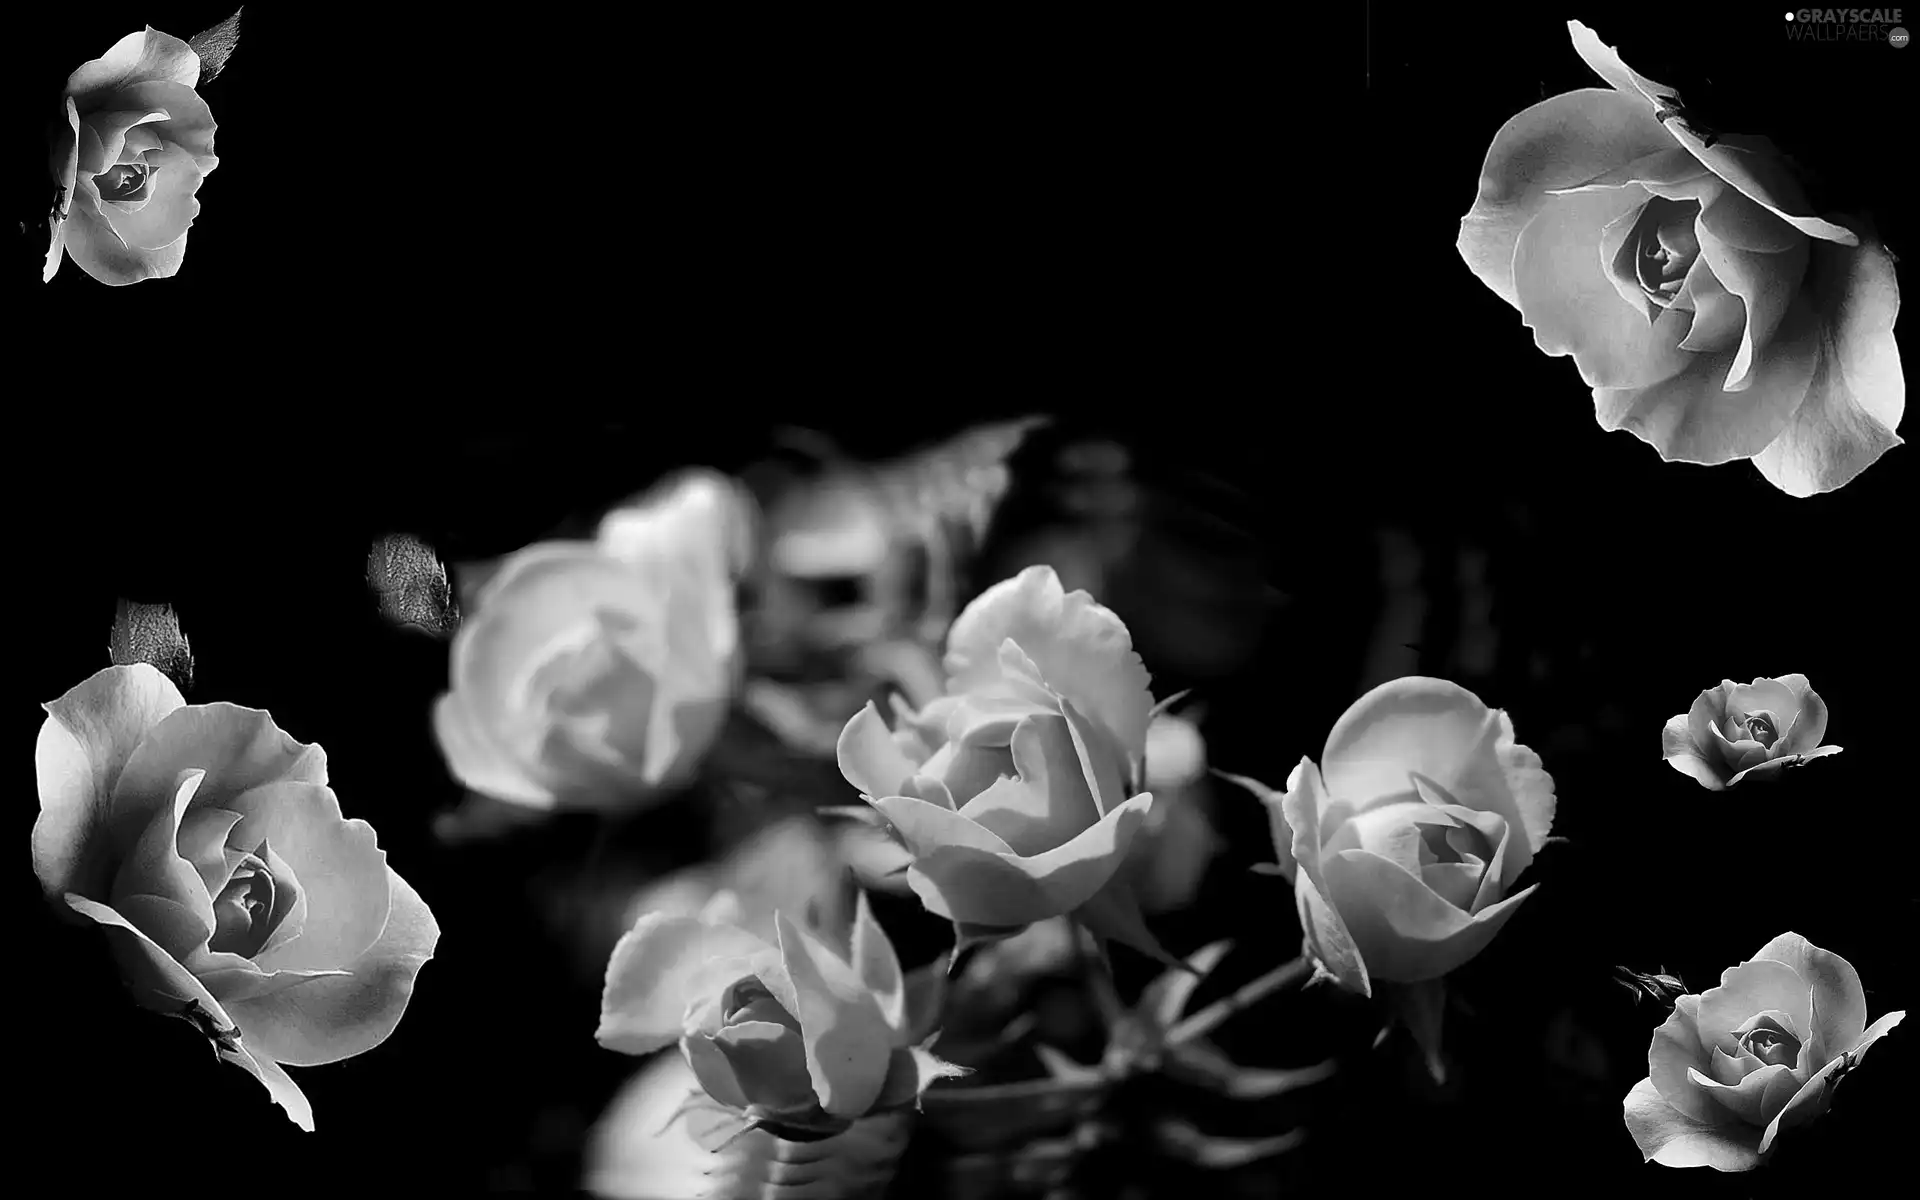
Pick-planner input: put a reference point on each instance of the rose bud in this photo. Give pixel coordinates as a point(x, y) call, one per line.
point(792, 1038)
point(1742, 1063)
point(1747, 730)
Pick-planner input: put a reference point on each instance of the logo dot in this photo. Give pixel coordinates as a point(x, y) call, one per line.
point(1789, 16)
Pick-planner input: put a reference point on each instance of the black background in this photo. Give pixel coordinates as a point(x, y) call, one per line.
point(477, 280)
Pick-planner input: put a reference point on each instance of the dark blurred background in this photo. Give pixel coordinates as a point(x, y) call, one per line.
point(495, 291)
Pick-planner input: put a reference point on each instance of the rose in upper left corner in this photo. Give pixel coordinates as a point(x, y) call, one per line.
point(1714, 314)
point(129, 153)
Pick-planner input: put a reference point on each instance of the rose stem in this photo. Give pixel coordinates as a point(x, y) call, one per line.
point(1201, 1023)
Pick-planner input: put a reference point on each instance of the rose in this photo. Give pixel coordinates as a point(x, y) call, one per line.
point(1741, 730)
point(790, 1038)
point(596, 673)
point(208, 845)
point(1740, 1064)
point(1011, 791)
point(1403, 842)
point(1713, 314)
point(133, 149)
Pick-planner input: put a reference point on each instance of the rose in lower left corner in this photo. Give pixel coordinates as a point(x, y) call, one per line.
point(208, 846)
point(786, 1036)
point(132, 146)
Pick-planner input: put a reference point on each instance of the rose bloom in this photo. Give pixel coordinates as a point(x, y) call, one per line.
point(1711, 311)
point(789, 1037)
point(1747, 730)
point(208, 845)
point(1402, 844)
point(1735, 1067)
point(1015, 791)
point(134, 146)
point(598, 673)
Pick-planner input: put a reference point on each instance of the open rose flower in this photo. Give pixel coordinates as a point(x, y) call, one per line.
point(208, 845)
point(787, 1037)
point(1712, 312)
point(1747, 730)
point(1735, 1067)
point(129, 155)
point(1404, 841)
point(598, 673)
point(1013, 791)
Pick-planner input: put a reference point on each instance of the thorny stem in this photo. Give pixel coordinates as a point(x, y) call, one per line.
point(1202, 1023)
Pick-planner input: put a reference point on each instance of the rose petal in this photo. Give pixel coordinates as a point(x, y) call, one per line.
point(1082, 650)
point(479, 762)
point(173, 926)
point(1809, 724)
point(1102, 761)
point(1049, 803)
point(926, 827)
point(1765, 695)
point(1676, 1048)
point(1566, 296)
point(1766, 283)
point(171, 205)
point(1755, 167)
point(1405, 932)
point(1737, 221)
point(1561, 142)
point(189, 123)
point(1677, 747)
point(847, 1039)
point(241, 980)
point(1418, 725)
point(338, 1016)
point(1719, 316)
point(83, 746)
point(973, 884)
point(238, 748)
point(1855, 400)
point(136, 58)
point(342, 872)
point(155, 978)
point(103, 136)
point(1839, 1003)
point(203, 843)
point(1690, 417)
point(1669, 1137)
point(93, 245)
point(713, 1070)
point(1755, 1098)
point(153, 867)
point(769, 1063)
point(877, 965)
point(1304, 802)
point(659, 967)
point(1752, 987)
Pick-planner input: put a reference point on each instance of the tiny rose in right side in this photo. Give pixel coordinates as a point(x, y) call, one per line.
point(1738, 731)
point(1738, 1065)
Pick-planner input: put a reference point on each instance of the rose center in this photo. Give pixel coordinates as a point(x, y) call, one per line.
point(241, 910)
point(1760, 728)
point(1664, 247)
point(748, 999)
point(122, 182)
point(1771, 1046)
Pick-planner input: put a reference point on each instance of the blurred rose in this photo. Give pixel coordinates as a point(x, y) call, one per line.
point(1011, 791)
point(596, 674)
point(1179, 840)
point(1741, 730)
point(1713, 314)
point(208, 845)
point(134, 145)
point(1738, 1065)
point(793, 1039)
point(1403, 842)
